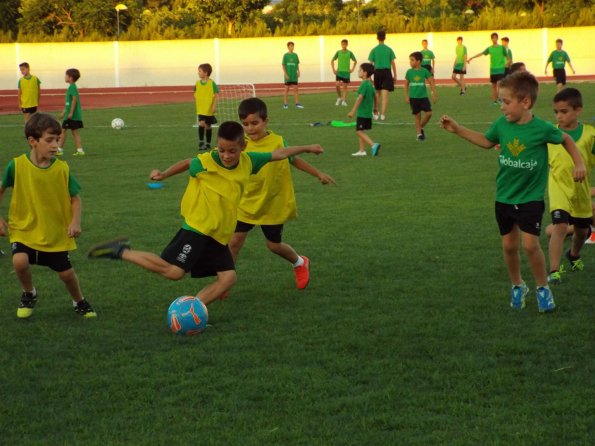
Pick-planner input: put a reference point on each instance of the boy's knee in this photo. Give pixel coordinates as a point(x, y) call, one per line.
point(228, 278)
point(67, 275)
point(174, 273)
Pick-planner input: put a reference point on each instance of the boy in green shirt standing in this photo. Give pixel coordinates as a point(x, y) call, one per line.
point(73, 113)
point(498, 61)
point(521, 180)
point(558, 59)
point(505, 42)
point(343, 71)
point(385, 73)
point(365, 105)
point(291, 73)
point(460, 65)
point(428, 57)
point(416, 93)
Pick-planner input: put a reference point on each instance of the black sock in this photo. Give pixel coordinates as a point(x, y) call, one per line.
point(201, 133)
point(209, 135)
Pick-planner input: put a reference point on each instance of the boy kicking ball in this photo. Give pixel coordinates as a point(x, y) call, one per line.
point(365, 106)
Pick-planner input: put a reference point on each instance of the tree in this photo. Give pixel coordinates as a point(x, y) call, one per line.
point(231, 12)
point(9, 13)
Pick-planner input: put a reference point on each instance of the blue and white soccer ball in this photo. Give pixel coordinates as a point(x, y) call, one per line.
point(187, 315)
point(117, 123)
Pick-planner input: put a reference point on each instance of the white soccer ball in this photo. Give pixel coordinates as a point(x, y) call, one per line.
point(117, 123)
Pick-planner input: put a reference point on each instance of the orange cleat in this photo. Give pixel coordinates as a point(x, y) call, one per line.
point(302, 274)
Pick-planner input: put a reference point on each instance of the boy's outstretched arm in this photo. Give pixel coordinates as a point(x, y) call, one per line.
point(286, 152)
point(579, 171)
point(174, 169)
point(304, 166)
point(477, 138)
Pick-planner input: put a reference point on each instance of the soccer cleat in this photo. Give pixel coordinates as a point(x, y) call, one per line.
point(576, 263)
point(28, 301)
point(201, 146)
point(376, 116)
point(545, 300)
point(462, 93)
point(208, 147)
point(79, 153)
point(359, 153)
point(591, 238)
point(423, 135)
point(338, 101)
point(518, 295)
point(84, 309)
point(344, 103)
point(298, 105)
point(375, 149)
point(420, 137)
point(285, 106)
point(302, 274)
point(382, 117)
point(111, 249)
point(555, 277)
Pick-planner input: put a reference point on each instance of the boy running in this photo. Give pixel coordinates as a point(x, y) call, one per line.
point(343, 71)
point(29, 91)
point(416, 93)
point(559, 58)
point(205, 97)
point(364, 106)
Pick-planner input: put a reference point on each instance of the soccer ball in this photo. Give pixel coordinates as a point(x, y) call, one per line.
point(117, 123)
point(187, 315)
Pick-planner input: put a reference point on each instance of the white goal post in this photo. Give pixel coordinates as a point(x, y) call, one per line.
point(228, 100)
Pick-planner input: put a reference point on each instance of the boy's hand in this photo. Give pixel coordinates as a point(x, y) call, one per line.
point(434, 97)
point(579, 172)
point(326, 179)
point(156, 175)
point(448, 124)
point(314, 148)
point(74, 230)
point(407, 100)
point(350, 114)
point(3, 228)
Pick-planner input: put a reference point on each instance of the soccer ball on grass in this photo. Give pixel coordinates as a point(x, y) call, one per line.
point(117, 123)
point(187, 315)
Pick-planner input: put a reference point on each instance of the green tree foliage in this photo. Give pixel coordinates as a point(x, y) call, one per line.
point(61, 20)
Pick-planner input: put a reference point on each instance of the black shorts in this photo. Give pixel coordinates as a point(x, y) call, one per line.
point(383, 79)
point(363, 124)
point(198, 254)
point(29, 110)
point(419, 105)
point(562, 216)
point(56, 261)
point(208, 120)
point(291, 83)
point(526, 216)
point(345, 80)
point(72, 124)
point(429, 68)
point(273, 233)
point(495, 78)
point(457, 71)
point(507, 71)
point(560, 75)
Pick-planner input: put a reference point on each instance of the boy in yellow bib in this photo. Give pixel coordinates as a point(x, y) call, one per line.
point(44, 215)
point(269, 200)
point(29, 91)
point(570, 201)
point(209, 210)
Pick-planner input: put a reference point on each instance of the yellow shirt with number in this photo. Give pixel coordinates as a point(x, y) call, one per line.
point(40, 209)
point(269, 198)
point(564, 193)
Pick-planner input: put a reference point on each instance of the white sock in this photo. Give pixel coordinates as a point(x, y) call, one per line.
point(33, 291)
point(299, 262)
point(80, 149)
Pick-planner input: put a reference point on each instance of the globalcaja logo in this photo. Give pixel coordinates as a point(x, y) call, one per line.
point(518, 164)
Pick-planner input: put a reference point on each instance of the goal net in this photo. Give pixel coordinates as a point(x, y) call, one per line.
point(229, 99)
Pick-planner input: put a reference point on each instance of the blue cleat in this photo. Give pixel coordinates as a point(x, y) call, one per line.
point(517, 299)
point(375, 149)
point(545, 300)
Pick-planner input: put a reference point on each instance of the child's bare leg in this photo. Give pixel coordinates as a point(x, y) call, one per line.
point(363, 140)
point(462, 83)
point(77, 139)
point(344, 91)
point(225, 280)
point(71, 282)
point(384, 94)
point(454, 78)
point(418, 123)
point(236, 243)
point(283, 250)
point(20, 263)
point(62, 138)
point(512, 258)
point(495, 91)
point(295, 94)
point(535, 257)
point(285, 94)
point(425, 119)
point(578, 240)
point(556, 245)
point(26, 117)
point(154, 263)
point(338, 87)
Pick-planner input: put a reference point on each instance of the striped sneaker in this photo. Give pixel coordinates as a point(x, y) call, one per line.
point(518, 295)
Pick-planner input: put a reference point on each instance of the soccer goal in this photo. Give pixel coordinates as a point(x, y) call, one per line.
point(230, 96)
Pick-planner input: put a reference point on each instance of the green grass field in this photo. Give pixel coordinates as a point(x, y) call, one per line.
point(404, 336)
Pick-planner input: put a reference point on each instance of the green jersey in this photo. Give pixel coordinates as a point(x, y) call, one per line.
point(366, 107)
point(428, 57)
point(509, 56)
point(291, 62)
point(461, 52)
point(381, 56)
point(344, 59)
point(77, 114)
point(523, 160)
point(497, 58)
point(417, 82)
point(558, 59)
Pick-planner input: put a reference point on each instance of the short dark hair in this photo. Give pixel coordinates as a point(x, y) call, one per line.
point(368, 68)
point(42, 122)
point(522, 84)
point(206, 67)
point(74, 74)
point(290, 43)
point(417, 55)
point(231, 131)
point(24, 64)
point(559, 41)
point(424, 40)
point(505, 39)
point(493, 35)
point(570, 95)
point(460, 38)
point(381, 35)
point(251, 106)
point(344, 41)
point(516, 67)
